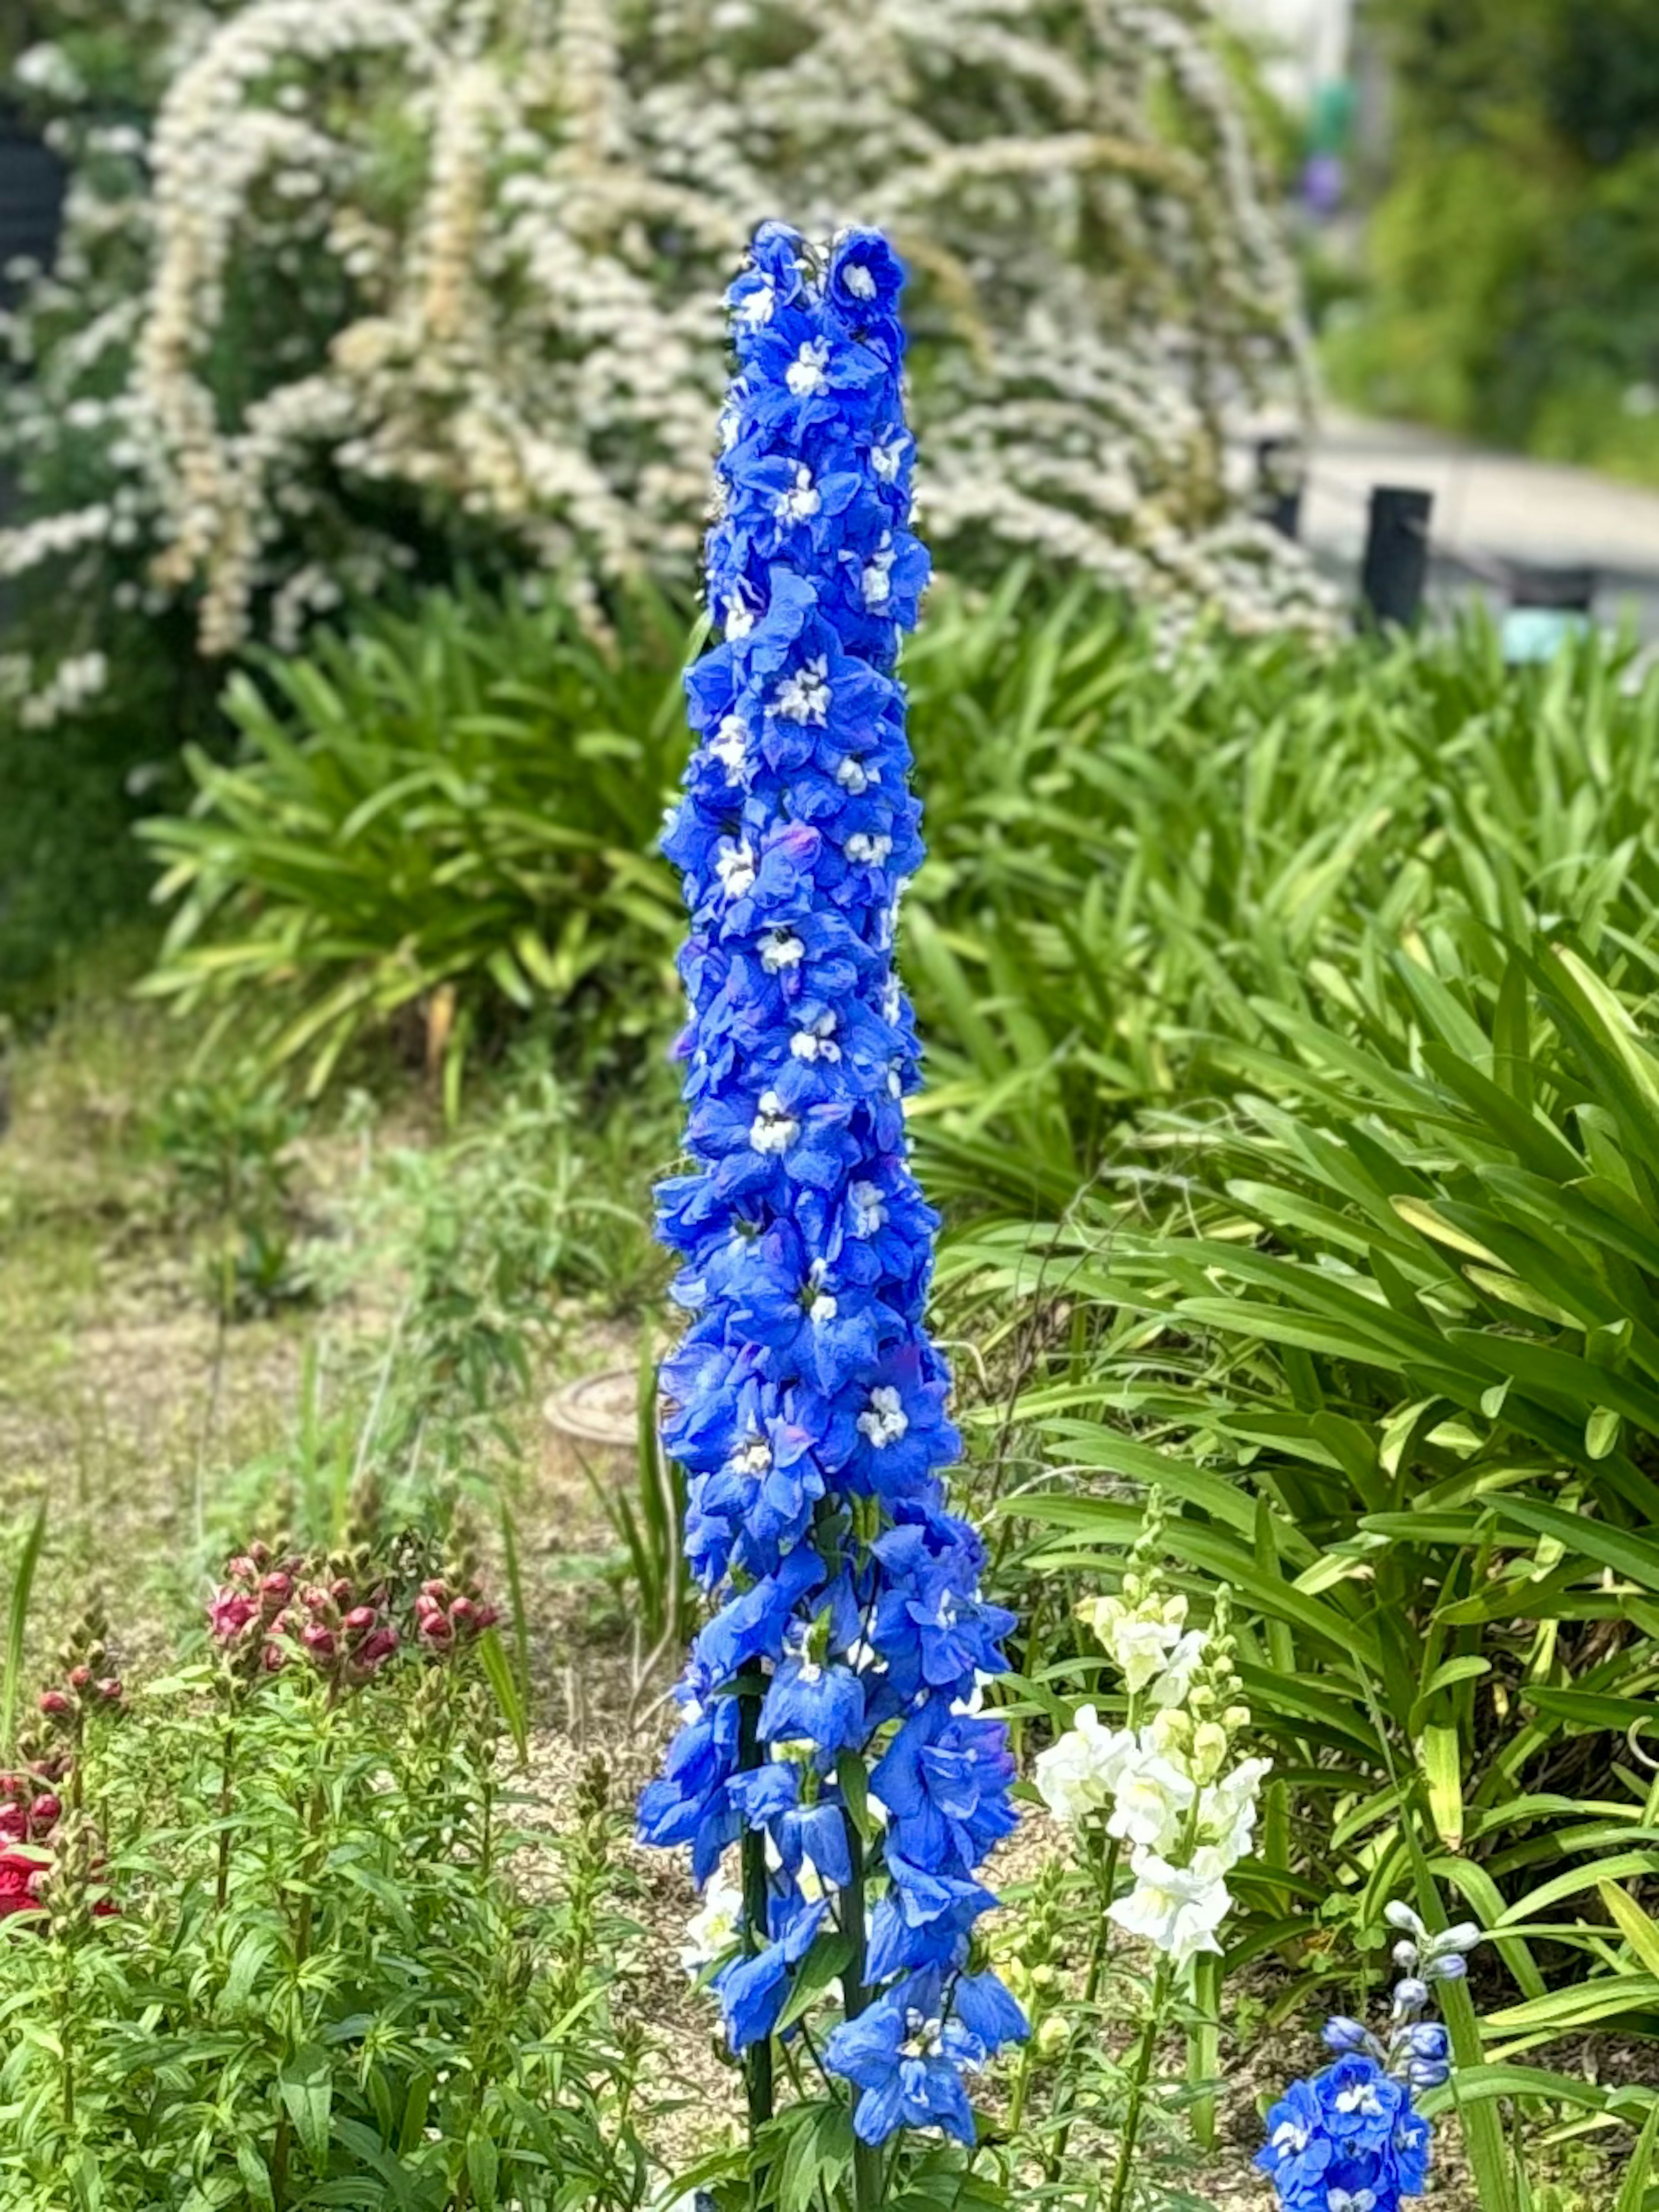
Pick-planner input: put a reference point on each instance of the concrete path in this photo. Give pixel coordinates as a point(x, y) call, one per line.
point(1488, 507)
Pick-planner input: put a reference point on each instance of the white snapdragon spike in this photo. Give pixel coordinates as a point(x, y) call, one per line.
point(1174, 1682)
point(1151, 1801)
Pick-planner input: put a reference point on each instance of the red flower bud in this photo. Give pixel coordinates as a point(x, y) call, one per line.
point(436, 1628)
point(54, 1702)
point(14, 1824)
point(79, 1677)
point(360, 1618)
point(463, 1612)
point(275, 1659)
point(437, 1588)
point(318, 1640)
point(277, 1586)
point(341, 1591)
point(45, 1811)
point(110, 1689)
point(375, 1650)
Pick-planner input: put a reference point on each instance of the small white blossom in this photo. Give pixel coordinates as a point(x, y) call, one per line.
point(735, 866)
point(711, 1932)
point(867, 852)
point(1176, 1909)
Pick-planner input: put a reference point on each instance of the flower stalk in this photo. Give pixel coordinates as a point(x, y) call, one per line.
point(831, 1727)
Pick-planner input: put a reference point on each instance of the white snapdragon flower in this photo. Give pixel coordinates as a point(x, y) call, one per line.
point(1151, 1801)
point(1139, 1637)
point(1078, 1775)
point(1226, 1812)
point(1176, 1909)
point(1175, 1681)
point(711, 1931)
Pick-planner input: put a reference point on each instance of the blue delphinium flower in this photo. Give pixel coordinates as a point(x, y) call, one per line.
point(805, 1401)
point(1351, 2139)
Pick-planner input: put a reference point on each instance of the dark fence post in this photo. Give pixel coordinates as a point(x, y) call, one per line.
point(1279, 478)
point(1396, 557)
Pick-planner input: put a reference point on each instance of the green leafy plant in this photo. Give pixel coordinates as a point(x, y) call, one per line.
point(228, 1145)
point(427, 820)
point(1399, 1368)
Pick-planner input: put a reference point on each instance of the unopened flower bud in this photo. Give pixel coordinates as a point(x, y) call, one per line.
point(317, 1639)
point(277, 1586)
point(1449, 1966)
point(55, 1703)
point(1052, 2035)
point(341, 1590)
point(361, 1618)
point(1405, 1957)
point(436, 1627)
point(1410, 1997)
point(1343, 2034)
point(79, 1677)
point(45, 1809)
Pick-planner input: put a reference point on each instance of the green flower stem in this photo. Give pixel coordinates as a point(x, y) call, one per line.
point(1104, 1866)
point(866, 2159)
point(1162, 1982)
point(310, 1867)
point(757, 2064)
point(227, 1782)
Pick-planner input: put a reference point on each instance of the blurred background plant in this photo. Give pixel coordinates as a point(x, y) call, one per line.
point(1510, 274)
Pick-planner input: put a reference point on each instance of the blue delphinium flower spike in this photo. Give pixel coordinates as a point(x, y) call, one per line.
point(805, 1401)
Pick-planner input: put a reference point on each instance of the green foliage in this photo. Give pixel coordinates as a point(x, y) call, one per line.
point(427, 820)
point(1399, 1370)
point(1512, 258)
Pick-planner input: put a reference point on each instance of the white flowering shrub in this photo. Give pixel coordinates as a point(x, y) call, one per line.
point(406, 282)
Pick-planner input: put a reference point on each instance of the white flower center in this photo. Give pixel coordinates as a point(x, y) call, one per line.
point(739, 618)
point(757, 305)
point(804, 697)
point(735, 866)
point(805, 375)
point(888, 459)
point(730, 746)
point(818, 1042)
point(822, 1308)
point(867, 852)
point(781, 951)
point(773, 1128)
point(885, 1420)
point(852, 776)
point(868, 1210)
point(859, 282)
point(801, 501)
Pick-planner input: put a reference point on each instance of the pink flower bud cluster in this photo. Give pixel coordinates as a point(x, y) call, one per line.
point(447, 1617)
point(264, 1608)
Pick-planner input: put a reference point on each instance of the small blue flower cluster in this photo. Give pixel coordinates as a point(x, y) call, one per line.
point(1351, 2139)
point(805, 1402)
point(1348, 2141)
